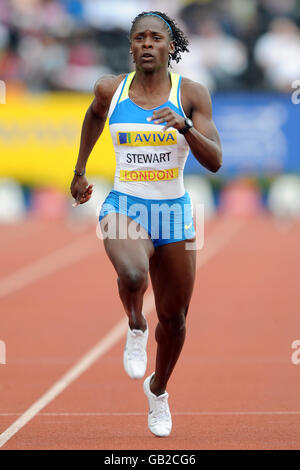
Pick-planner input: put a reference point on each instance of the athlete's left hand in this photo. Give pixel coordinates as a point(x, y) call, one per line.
point(169, 117)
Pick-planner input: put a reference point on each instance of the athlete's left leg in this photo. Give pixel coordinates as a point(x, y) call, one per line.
point(172, 271)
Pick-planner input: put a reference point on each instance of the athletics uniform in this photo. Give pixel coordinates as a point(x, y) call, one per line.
point(148, 183)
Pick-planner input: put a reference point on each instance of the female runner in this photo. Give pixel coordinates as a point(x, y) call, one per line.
point(155, 117)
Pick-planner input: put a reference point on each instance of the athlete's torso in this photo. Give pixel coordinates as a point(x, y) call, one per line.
point(149, 162)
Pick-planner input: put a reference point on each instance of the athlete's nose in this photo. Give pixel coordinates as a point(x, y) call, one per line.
point(147, 44)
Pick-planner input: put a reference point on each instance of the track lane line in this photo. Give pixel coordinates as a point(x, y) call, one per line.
point(175, 413)
point(223, 234)
point(48, 264)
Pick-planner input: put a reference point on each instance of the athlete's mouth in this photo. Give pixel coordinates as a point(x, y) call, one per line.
point(146, 55)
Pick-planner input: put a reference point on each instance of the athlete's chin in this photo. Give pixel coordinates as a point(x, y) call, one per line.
point(147, 64)
point(148, 67)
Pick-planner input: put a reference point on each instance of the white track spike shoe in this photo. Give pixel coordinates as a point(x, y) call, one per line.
point(135, 355)
point(159, 417)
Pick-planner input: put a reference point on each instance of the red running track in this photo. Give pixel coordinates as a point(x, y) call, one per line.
point(234, 387)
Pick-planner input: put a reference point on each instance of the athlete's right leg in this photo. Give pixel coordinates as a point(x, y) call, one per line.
point(130, 258)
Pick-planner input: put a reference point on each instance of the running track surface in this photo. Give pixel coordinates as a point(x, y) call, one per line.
point(234, 387)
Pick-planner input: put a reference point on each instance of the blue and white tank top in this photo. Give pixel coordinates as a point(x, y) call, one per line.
point(149, 162)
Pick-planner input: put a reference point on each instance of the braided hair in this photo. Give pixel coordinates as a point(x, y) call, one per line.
point(176, 35)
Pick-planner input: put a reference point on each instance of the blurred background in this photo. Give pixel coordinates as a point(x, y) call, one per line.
point(247, 52)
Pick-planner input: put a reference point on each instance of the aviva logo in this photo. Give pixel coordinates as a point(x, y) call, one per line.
point(139, 139)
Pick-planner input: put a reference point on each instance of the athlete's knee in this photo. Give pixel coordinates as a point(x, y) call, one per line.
point(133, 279)
point(174, 322)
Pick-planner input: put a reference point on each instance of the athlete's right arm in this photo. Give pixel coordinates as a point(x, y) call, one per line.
point(92, 128)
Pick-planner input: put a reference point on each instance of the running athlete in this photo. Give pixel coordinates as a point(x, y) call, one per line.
point(155, 117)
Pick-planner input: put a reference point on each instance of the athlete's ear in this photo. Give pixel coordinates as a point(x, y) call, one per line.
point(171, 47)
point(131, 53)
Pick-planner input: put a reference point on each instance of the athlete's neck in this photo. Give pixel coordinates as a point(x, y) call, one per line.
point(149, 82)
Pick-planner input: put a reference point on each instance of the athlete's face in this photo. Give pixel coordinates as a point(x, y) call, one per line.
point(150, 44)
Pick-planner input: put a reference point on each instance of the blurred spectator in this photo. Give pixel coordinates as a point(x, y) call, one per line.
point(269, 9)
point(4, 36)
point(74, 8)
point(215, 59)
point(85, 65)
point(40, 59)
point(113, 14)
point(278, 53)
point(41, 15)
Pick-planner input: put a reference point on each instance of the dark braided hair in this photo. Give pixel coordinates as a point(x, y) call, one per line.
point(180, 40)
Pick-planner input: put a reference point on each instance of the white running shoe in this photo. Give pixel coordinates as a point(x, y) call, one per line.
point(135, 355)
point(159, 417)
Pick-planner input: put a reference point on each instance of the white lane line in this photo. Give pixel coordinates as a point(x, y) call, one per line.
point(175, 413)
point(225, 232)
point(222, 235)
point(48, 264)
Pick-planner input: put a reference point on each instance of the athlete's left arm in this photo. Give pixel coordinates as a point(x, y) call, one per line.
point(203, 138)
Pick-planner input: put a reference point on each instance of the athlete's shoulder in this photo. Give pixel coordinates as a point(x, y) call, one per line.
point(106, 86)
point(191, 87)
point(196, 95)
point(104, 90)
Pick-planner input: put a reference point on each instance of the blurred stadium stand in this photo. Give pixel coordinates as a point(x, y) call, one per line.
point(52, 52)
point(67, 44)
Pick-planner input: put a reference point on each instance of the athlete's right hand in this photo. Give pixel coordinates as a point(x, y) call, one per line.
point(81, 190)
